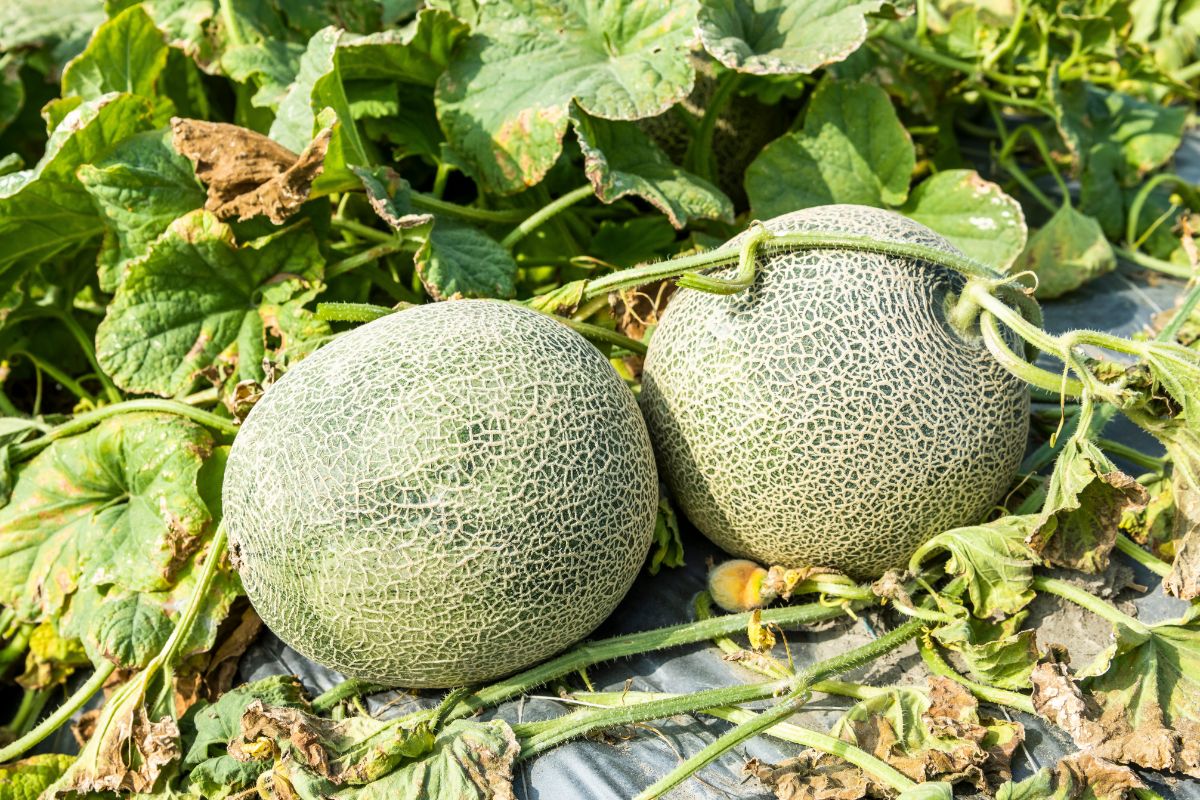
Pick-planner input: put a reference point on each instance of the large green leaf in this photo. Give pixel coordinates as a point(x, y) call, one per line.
point(773, 37)
point(853, 149)
point(64, 25)
point(12, 90)
point(196, 293)
point(504, 100)
point(417, 53)
point(126, 54)
point(621, 160)
point(141, 186)
point(974, 214)
point(993, 558)
point(45, 210)
point(116, 505)
point(1093, 120)
point(1067, 252)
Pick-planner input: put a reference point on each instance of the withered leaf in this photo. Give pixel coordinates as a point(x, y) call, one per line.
point(129, 757)
point(1078, 776)
point(1184, 579)
point(640, 308)
point(246, 173)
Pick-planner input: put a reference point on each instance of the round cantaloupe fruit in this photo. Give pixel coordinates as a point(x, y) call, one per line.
point(829, 415)
point(442, 496)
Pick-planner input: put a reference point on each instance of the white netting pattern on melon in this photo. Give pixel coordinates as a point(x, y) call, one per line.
point(443, 496)
point(829, 415)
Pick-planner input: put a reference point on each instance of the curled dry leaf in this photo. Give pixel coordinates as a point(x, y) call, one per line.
point(640, 308)
point(246, 173)
point(1078, 776)
point(1184, 579)
point(129, 757)
point(936, 735)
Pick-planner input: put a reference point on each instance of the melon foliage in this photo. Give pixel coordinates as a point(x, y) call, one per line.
point(443, 496)
point(830, 415)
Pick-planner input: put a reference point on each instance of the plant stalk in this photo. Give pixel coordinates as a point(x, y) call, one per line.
point(545, 213)
point(60, 715)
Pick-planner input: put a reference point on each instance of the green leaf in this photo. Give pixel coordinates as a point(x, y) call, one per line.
point(974, 214)
point(504, 100)
point(12, 90)
point(776, 37)
point(318, 85)
point(996, 653)
point(126, 54)
point(1091, 119)
point(45, 211)
point(620, 160)
point(1176, 369)
point(993, 558)
point(667, 549)
point(453, 259)
point(196, 293)
point(129, 631)
point(28, 778)
point(457, 260)
point(632, 241)
point(116, 505)
point(64, 25)
point(853, 149)
point(272, 63)
point(51, 658)
point(141, 186)
point(1067, 252)
point(1085, 500)
point(417, 54)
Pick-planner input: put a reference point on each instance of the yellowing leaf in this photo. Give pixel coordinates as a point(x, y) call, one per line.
point(116, 505)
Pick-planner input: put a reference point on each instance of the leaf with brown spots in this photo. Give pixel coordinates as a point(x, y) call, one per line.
point(1184, 579)
point(117, 505)
point(1079, 776)
point(246, 173)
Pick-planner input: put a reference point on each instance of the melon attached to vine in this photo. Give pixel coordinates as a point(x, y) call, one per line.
point(829, 415)
point(443, 496)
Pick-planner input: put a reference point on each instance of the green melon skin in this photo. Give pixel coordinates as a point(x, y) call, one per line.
point(829, 415)
point(443, 496)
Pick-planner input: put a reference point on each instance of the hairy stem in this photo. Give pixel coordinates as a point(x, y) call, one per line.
point(800, 687)
point(60, 715)
point(365, 257)
point(83, 422)
point(89, 351)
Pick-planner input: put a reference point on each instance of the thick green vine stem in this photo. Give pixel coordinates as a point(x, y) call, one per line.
point(590, 653)
point(1131, 549)
point(1090, 602)
point(773, 242)
point(800, 688)
point(59, 717)
point(547, 212)
point(84, 422)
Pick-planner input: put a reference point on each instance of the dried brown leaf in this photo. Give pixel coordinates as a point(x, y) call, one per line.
point(246, 173)
point(1184, 579)
point(639, 308)
point(129, 758)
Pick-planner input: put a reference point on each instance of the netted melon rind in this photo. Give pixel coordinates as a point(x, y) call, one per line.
point(443, 496)
point(828, 415)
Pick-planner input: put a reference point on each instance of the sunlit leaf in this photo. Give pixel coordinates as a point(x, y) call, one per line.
point(503, 102)
point(779, 37)
point(996, 653)
point(852, 149)
point(197, 296)
point(125, 54)
point(28, 778)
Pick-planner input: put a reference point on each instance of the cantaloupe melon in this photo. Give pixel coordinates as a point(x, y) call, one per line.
point(829, 415)
point(442, 496)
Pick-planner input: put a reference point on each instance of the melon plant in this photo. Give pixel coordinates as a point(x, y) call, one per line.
point(442, 496)
point(830, 414)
